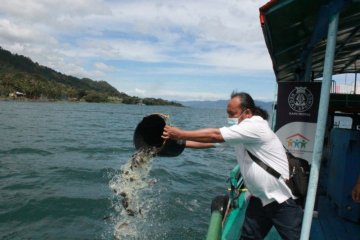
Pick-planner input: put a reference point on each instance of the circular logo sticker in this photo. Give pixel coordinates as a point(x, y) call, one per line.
point(300, 99)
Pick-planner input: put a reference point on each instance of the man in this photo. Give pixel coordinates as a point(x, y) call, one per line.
point(355, 193)
point(272, 203)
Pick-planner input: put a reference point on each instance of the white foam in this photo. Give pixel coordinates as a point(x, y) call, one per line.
point(133, 177)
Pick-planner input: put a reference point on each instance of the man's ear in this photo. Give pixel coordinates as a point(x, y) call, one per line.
point(248, 113)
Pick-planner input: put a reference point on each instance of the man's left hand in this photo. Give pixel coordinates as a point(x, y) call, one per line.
point(171, 132)
point(356, 192)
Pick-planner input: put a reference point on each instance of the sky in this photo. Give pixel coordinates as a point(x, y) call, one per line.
point(170, 49)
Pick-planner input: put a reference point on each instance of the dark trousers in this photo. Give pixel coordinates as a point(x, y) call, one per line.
point(286, 217)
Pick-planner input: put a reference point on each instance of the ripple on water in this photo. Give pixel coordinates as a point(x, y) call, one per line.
point(26, 150)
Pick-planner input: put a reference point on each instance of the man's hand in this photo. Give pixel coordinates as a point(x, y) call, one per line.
point(356, 192)
point(205, 135)
point(171, 133)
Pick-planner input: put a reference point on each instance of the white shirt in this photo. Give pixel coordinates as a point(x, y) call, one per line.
point(254, 134)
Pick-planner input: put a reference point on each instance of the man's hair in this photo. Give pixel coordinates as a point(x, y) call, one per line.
point(247, 102)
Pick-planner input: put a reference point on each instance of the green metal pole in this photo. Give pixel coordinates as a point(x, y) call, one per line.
point(214, 231)
point(320, 129)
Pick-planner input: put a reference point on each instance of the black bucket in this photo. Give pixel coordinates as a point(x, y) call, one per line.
point(148, 134)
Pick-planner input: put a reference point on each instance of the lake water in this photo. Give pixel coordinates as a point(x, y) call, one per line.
point(59, 162)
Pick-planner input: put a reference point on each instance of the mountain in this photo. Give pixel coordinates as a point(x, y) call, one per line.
point(20, 76)
point(221, 104)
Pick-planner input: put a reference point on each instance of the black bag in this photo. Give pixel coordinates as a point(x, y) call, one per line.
point(299, 171)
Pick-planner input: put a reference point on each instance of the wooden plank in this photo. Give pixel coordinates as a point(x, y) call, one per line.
point(333, 226)
point(353, 229)
point(316, 232)
point(327, 230)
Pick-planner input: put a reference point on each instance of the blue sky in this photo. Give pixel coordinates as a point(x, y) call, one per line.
point(176, 50)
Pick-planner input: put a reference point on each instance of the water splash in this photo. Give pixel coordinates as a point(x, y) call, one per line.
point(132, 212)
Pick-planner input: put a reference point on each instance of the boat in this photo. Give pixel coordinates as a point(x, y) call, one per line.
point(310, 43)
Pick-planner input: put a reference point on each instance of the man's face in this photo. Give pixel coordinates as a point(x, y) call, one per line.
point(234, 110)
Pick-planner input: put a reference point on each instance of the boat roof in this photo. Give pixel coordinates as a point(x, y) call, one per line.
point(295, 33)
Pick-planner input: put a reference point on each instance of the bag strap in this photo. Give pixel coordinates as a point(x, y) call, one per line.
point(267, 168)
point(287, 150)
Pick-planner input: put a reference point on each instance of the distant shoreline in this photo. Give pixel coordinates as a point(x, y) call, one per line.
point(23, 99)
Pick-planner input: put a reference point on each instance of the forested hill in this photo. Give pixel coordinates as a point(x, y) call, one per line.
point(20, 75)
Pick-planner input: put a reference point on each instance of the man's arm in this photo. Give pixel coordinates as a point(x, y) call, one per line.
point(193, 144)
point(356, 191)
point(206, 135)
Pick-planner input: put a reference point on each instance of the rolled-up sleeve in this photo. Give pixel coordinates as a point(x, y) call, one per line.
point(243, 133)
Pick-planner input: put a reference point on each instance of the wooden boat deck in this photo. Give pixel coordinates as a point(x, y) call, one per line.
point(328, 225)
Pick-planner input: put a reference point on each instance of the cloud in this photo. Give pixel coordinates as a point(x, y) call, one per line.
point(247, 59)
point(195, 95)
point(50, 12)
point(103, 67)
point(123, 50)
point(140, 91)
point(179, 95)
point(158, 38)
point(11, 32)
